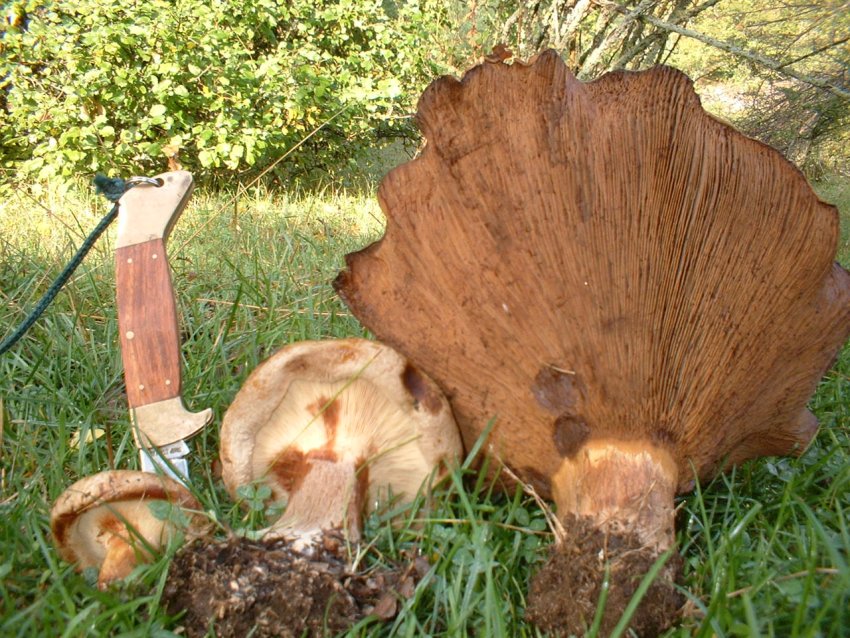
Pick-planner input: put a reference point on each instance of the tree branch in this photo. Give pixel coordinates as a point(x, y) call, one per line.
point(592, 61)
point(758, 58)
point(572, 21)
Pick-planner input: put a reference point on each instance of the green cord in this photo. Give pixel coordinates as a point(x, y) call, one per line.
point(112, 189)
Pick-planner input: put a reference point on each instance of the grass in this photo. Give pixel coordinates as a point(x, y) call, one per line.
point(766, 547)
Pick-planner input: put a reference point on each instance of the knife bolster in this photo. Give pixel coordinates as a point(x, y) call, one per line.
point(168, 421)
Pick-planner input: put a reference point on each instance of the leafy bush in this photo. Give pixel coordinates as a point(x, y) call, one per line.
point(105, 85)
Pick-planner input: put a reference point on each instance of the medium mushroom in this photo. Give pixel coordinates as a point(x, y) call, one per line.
point(637, 293)
point(333, 427)
point(105, 520)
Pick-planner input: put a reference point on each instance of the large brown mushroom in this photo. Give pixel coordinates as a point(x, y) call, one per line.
point(639, 295)
point(106, 521)
point(334, 427)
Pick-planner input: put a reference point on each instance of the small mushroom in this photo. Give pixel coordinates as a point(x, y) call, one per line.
point(105, 520)
point(332, 426)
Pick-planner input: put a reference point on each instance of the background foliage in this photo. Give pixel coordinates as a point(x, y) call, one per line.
point(226, 88)
point(94, 85)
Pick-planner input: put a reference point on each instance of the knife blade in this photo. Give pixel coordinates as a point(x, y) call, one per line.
point(147, 323)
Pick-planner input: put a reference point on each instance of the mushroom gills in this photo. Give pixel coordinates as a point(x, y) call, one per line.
point(334, 427)
point(317, 452)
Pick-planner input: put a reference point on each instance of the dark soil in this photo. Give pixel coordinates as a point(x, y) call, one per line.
point(563, 596)
point(265, 588)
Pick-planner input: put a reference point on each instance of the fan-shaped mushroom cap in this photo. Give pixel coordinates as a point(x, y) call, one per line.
point(604, 260)
point(625, 283)
point(105, 520)
point(331, 425)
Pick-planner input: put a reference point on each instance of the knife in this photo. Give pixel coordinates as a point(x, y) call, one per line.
point(147, 323)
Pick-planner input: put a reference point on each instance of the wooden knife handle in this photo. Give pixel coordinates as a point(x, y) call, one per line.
point(147, 321)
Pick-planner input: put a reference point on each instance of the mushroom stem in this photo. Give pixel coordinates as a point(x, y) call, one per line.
point(620, 485)
point(329, 494)
point(120, 558)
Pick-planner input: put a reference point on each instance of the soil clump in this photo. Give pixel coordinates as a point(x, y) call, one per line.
point(564, 594)
point(240, 587)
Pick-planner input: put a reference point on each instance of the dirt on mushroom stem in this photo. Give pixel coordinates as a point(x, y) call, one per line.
point(268, 588)
point(565, 593)
point(615, 502)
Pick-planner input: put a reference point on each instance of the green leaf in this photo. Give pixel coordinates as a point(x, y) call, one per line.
point(521, 516)
point(207, 158)
point(391, 87)
point(162, 510)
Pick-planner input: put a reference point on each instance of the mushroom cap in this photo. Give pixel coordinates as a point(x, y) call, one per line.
point(96, 511)
point(607, 262)
point(350, 401)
